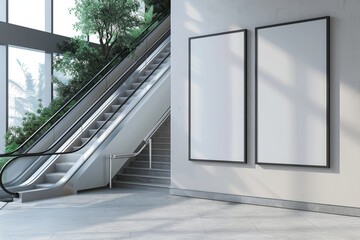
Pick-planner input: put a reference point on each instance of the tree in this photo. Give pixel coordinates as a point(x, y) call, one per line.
point(110, 20)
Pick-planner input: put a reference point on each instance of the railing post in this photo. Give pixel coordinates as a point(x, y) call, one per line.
point(110, 171)
point(150, 153)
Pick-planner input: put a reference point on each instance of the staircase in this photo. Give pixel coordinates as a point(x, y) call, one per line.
point(137, 172)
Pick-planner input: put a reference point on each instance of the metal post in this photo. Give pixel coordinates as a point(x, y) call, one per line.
point(150, 153)
point(110, 171)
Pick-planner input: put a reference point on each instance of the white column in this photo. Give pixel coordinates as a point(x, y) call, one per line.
point(3, 96)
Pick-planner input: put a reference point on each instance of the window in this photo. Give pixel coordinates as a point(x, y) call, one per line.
point(2, 10)
point(63, 20)
point(29, 13)
point(26, 82)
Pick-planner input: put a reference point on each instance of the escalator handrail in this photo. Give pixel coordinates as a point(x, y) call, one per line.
point(15, 194)
point(125, 52)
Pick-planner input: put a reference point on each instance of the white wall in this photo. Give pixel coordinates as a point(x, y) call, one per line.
point(337, 185)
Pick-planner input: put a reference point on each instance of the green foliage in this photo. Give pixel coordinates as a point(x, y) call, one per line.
point(110, 20)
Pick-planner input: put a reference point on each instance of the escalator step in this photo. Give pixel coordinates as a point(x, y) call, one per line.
point(115, 107)
point(122, 100)
point(54, 177)
point(63, 166)
point(136, 85)
point(93, 131)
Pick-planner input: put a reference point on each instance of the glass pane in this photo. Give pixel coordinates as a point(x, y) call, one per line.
point(26, 82)
point(27, 13)
point(3, 10)
point(63, 20)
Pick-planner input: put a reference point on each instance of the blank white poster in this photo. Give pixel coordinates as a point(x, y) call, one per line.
point(292, 93)
point(217, 80)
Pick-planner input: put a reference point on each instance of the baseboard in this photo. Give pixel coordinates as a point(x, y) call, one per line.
point(304, 206)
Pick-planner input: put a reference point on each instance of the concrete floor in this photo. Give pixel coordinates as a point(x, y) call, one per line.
point(144, 214)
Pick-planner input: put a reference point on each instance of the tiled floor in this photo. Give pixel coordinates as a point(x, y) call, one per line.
point(144, 214)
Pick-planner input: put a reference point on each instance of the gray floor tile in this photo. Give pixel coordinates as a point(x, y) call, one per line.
point(27, 236)
point(318, 235)
point(143, 214)
point(91, 236)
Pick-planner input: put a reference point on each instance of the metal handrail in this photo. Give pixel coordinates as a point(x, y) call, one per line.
point(146, 141)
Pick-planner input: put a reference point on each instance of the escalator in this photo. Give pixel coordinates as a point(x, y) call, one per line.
point(112, 117)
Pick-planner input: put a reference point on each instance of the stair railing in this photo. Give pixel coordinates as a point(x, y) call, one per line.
point(146, 141)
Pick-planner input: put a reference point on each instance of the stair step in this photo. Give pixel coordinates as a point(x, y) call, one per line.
point(84, 140)
point(142, 78)
point(76, 148)
point(157, 151)
point(154, 165)
point(109, 115)
point(63, 166)
point(162, 134)
point(54, 177)
point(136, 85)
point(154, 158)
point(143, 179)
point(156, 139)
point(148, 72)
point(69, 158)
point(166, 146)
point(122, 99)
point(161, 187)
point(164, 129)
point(153, 66)
point(147, 172)
point(93, 131)
point(167, 123)
point(100, 123)
point(129, 92)
point(116, 107)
